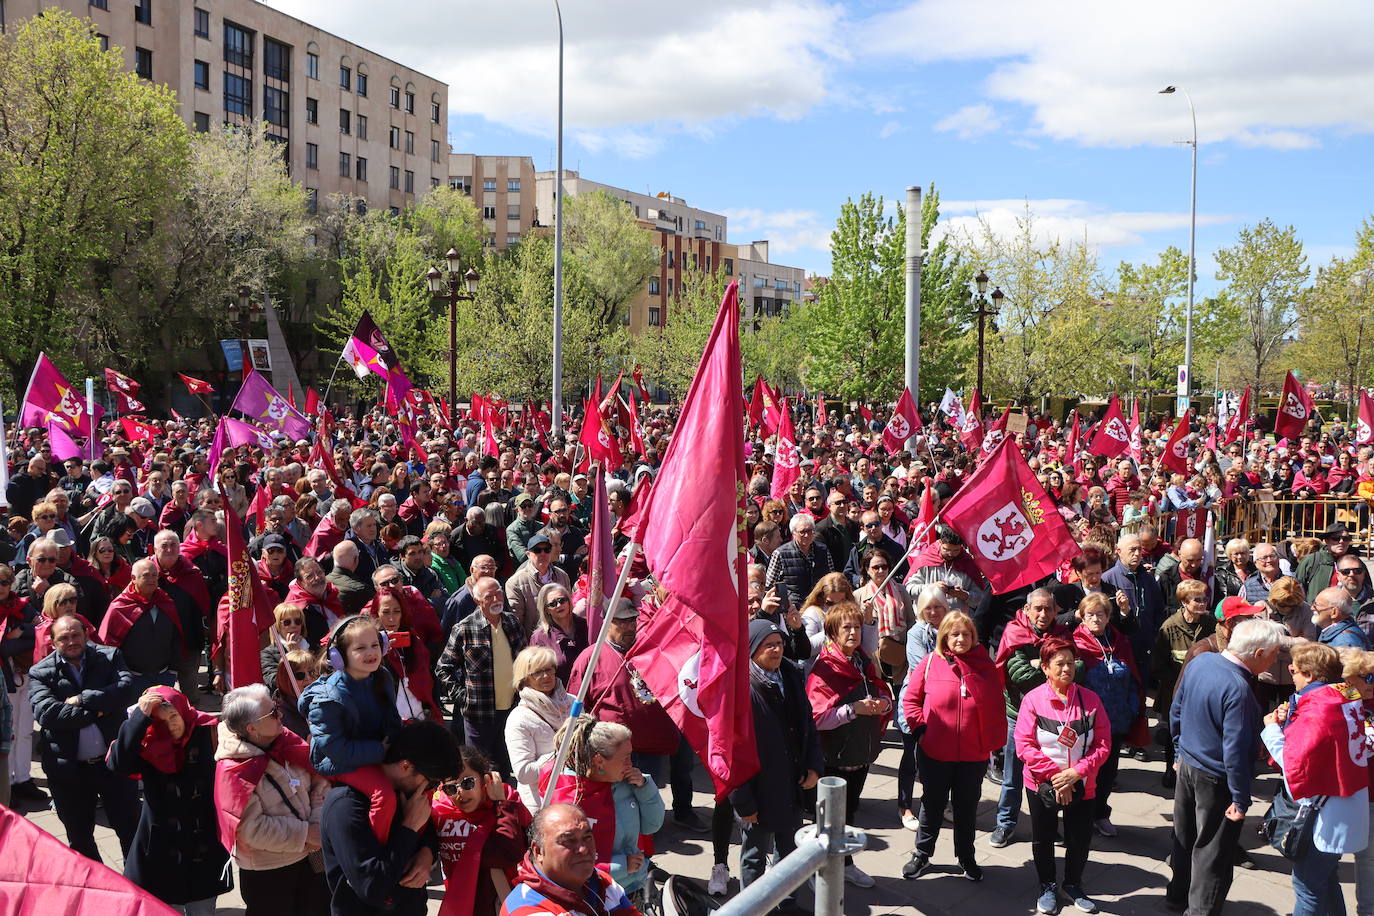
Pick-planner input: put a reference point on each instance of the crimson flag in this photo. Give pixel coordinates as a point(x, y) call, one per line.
point(1364, 424)
point(1175, 455)
point(636, 432)
point(321, 456)
point(1325, 752)
point(923, 529)
point(135, 430)
point(126, 404)
point(244, 607)
point(904, 423)
point(312, 402)
point(756, 404)
point(1239, 419)
point(822, 417)
point(489, 444)
point(118, 381)
point(867, 415)
point(600, 555)
point(693, 652)
point(634, 512)
point(290, 393)
point(996, 433)
point(195, 385)
point(971, 429)
point(639, 383)
point(1071, 452)
point(598, 439)
point(1012, 530)
point(786, 460)
point(1112, 437)
point(1135, 447)
point(1295, 406)
point(772, 409)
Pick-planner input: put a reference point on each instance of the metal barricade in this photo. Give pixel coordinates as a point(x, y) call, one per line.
point(1265, 518)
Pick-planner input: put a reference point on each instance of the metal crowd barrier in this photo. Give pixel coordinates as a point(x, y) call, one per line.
point(1266, 518)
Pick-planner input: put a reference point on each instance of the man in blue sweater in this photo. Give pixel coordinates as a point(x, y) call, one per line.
point(1215, 725)
point(370, 876)
point(1333, 613)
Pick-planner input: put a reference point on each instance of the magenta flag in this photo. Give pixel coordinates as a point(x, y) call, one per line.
point(63, 445)
point(266, 405)
point(693, 652)
point(786, 460)
point(601, 574)
point(50, 398)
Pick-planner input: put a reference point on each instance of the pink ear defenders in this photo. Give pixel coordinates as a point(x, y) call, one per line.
point(332, 653)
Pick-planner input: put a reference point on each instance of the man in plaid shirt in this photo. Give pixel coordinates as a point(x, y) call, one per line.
point(476, 668)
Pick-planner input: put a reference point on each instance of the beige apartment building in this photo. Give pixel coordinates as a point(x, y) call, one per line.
point(352, 121)
point(690, 239)
point(503, 188)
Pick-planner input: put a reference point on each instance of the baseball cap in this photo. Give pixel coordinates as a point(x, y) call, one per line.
point(143, 507)
point(524, 499)
point(537, 541)
point(1236, 606)
point(273, 540)
point(625, 610)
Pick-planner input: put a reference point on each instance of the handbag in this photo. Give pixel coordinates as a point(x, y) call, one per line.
point(1050, 799)
point(892, 652)
point(1288, 825)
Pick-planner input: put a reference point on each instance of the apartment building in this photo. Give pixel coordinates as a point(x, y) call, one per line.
point(351, 121)
point(503, 188)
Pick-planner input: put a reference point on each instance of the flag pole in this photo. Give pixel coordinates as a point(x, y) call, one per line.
point(915, 538)
point(337, 363)
point(581, 697)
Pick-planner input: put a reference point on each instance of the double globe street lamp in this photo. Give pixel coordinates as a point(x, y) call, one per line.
point(450, 284)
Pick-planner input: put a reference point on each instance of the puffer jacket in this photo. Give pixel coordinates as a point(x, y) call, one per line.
point(273, 829)
point(349, 720)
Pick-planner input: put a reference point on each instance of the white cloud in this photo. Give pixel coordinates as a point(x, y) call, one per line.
point(970, 122)
point(787, 231)
point(889, 129)
point(1064, 220)
point(1264, 74)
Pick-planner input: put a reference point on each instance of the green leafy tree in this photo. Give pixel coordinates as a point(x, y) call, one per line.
point(611, 253)
point(1335, 329)
point(1265, 273)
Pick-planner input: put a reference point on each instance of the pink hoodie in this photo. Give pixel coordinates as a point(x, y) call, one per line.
point(1040, 724)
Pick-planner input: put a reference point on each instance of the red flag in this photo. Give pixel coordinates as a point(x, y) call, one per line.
point(867, 415)
point(1175, 455)
point(923, 529)
point(176, 416)
point(904, 423)
point(195, 385)
point(244, 607)
point(1136, 446)
point(290, 393)
point(1325, 752)
point(786, 461)
point(1239, 419)
point(756, 403)
point(51, 398)
point(1364, 424)
point(971, 430)
point(598, 439)
point(489, 444)
point(634, 512)
point(126, 404)
point(135, 430)
point(1071, 452)
point(693, 652)
point(1295, 406)
point(1212, 438)
point(1112, 437)
point(117, 381)
point(312, 402)
point(822, 417)
point(639, 383)
point(322, 457)
point(600, 554)
point(996, 433)
point(636, 432)
point(1012, 530)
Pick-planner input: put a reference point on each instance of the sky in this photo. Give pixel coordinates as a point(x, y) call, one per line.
point(775, 112)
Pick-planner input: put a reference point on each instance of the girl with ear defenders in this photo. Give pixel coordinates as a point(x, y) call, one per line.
point(352, 716)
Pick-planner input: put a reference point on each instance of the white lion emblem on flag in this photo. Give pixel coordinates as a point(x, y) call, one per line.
point(1293, 407)
point(787, 454)
point(1117, 430)
point(688, 682)
point(1004, 533)
point(898, 426)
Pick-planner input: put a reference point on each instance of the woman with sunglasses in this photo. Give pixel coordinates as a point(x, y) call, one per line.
point(889, 610)
point(481, 824)
point(113, 571)
point(286, 634)
point(269, 800)
point(543, 706)
point(58, 601)
point(44, 520)
point(299, 669)
point(559, 630)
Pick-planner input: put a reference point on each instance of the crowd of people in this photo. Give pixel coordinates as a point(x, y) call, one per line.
point(431, 627)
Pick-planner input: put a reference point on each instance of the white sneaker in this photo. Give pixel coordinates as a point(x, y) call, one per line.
point(858, 877)
point(720, 880)
point(911, 821)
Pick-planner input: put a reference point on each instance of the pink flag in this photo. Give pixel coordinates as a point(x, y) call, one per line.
point(1239, 419)
point(1010, 526)
point(264, 404)
point(636, 431)
point(693, 652)
point(1135, 447)
point(1175, 455)
point(996, 433)
point(923, 529)
point(231, 432)
point(63, 445)
point(601, 555)
point(786, 463)
point(755, 413)
point(51, 398)
point(1071, 452)
point(1112, 437)
point(904, 423)
point(1364, 424)
point(243, 606)
point(1295, 406)
point(368, 351)
point(634, 512)
point(597, 438)
point(971, 429)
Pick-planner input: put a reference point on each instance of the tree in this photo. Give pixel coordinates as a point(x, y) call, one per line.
point(1265, 272)
point(612, 254)
point(1335, 323)
point(89, 153)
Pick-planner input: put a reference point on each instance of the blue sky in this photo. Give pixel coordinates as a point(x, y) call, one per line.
point(776, 111)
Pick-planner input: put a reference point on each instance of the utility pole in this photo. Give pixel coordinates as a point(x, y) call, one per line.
point(913, 298)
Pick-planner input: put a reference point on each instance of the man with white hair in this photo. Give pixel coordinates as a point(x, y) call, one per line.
point(1268, 570)
point(801, 562)
point(475, 538)
point(1333, 613)
point(1215, 724)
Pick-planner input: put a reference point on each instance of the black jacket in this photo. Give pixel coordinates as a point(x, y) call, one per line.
point(363, 875)
point(859, 555)
point(838, 539)
point(105, 693)
point(788, 744)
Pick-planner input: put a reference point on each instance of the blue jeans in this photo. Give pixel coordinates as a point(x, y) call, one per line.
point(1013, 782)
point(1316, 890)
point(756, 847)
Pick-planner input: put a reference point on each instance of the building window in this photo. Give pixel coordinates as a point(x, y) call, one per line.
point(394, 138)
point(671, 259)
point(395, 97)
point(729, 267)
point(410, 143)
point(670, 286)
point(238, 95)
point(362, 169)
point(489, 184)
point(345, 165)
point(143, 11)
point(410, 182)
point(238, 46)
point(362, 127)
point(488, 213)
point(655, 315)
point(434, 151)
point(433, 182)
point(395, 181)
point(202, 26)
point(461, 183)
point(276, 60)
point(143, 63)
point(700, 225)
point(345, 121)
point(434, 112)
point(718, 233)
point(202, 122)
point(312, 155)
point(394, 211)
point(513, 185)
point(708, 263)
point(312, 111)
point(760, 282)
point(653, 286)
point(202, 71)
point(276, 107)
point(512, 238)
point(312, 200)
point(100, 4)
point(362, 85)
point(104, 41)
point(312, 65)
point(513, 213)
point(345, 78)
point(410, 103)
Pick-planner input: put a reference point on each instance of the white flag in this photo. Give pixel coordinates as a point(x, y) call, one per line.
point(952, 407)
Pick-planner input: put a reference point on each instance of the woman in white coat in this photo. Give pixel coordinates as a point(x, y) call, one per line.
point(530, 728)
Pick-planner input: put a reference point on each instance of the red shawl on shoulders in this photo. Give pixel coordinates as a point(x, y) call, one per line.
point(125, 609)
point(236, 780)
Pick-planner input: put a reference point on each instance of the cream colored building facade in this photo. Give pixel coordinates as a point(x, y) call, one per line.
point(503, 188)
point(352, 121)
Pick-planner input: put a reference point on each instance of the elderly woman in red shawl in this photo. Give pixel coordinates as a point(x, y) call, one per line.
point(176, 854)
point(406, 657)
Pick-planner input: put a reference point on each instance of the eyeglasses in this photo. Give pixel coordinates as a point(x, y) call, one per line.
point(542, 548)
point(873, 524)
point(292, 621)
point(46, 516)
point(63, 601)
point(388, 582)
point(466, 784)
point(544, 671)
point(299, 675)
point(879, 567)
point(274, 714)
point(6, 582)
point(45, 559)
point(1351, 571)
point(559, 602)
point(1343, 537)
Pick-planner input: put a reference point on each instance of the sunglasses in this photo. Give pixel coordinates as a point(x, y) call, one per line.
point(559, 602)
point(466, 784)
point(274, 714)
point(46, 516)
point(542, 548)
point(71, 600)
point(879, 567)
point(6, 582)
point(299, 675)
point(45, 559)
point(872, 525)
point(292, 621)
point(388, 583)
point(1351, 571)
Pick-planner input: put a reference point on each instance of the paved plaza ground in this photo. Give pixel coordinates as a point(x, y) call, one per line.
point(1125, 875)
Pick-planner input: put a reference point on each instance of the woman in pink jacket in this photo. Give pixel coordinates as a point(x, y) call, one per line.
point(954, 704)
point(1063, 736)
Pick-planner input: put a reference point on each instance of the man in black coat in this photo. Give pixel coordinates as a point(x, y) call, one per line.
point(836, 531)
point(872, 537)
point(790, 757)
point(80, 693)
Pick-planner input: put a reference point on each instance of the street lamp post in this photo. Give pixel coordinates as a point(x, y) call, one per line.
point(243, 307)
point(1192, 247)
point(449, 284)
point(556, 401)
point(985, 309)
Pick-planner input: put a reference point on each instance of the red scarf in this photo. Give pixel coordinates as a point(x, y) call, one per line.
point(596, 801)
point(186, 576)
point(329, 602)
point(461, 839)
point(42, 635)
point(1018, 633)
point(834, 676)
point(12, 608)
point(410, 664)
point(1092, 651)
point(127, 607)
point(164, 753)
point(193, 546)
point(236, 780)
point(288, 571)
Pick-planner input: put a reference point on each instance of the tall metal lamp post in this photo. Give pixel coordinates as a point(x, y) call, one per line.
point(450, 284)
point(985, 308)
point(244, 307)
point(1192, 248)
